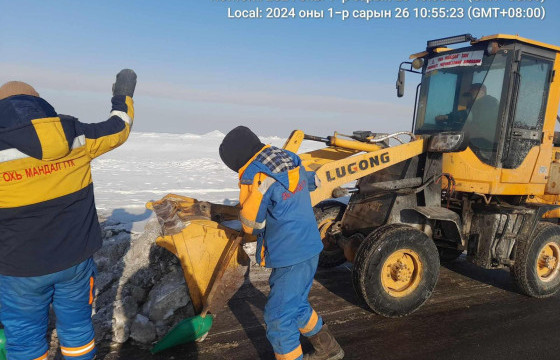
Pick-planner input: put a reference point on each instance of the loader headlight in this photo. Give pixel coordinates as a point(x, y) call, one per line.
point(492, 48)
point(447, 142)
point(418, 63)
point(450, 41)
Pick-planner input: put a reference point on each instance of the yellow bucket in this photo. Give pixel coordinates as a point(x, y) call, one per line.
point(201, 244)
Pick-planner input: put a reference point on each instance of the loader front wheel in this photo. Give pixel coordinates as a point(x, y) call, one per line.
point(536, 270)
point(396, 270)
point(327, 213)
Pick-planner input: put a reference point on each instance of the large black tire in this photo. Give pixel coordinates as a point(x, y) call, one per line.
point(447, 255)
point(536, 270)
point(326, 214)
point(376, 259)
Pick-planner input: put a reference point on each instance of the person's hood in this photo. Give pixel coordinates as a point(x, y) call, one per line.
point(32, 126)
point(289, 179)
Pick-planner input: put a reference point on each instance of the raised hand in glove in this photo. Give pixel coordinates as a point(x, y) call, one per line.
point(125, 83)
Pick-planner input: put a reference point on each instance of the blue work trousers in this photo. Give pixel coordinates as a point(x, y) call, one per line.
point(24, 312)
point(287, 313)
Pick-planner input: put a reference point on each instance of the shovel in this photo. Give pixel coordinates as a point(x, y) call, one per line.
point(196, 328)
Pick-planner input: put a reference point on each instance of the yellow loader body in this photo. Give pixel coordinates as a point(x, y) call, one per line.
point(430, 187)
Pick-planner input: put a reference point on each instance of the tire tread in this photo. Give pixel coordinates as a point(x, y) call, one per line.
point(520, 271)
point(369, 246)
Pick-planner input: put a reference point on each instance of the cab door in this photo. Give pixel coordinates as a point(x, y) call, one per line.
point(532, 77)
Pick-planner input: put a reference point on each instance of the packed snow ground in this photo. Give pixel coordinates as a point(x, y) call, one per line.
point(150, 165)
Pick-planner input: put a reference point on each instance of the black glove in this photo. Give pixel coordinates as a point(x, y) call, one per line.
point(125, 83)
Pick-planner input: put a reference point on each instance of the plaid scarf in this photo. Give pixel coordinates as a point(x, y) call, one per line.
point(277, 160)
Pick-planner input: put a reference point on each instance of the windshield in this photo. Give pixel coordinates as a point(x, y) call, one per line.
point(462, 91)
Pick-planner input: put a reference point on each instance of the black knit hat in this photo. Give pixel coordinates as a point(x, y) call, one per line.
point(238, 147)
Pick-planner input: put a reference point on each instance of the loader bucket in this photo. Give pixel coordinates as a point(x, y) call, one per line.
point(199, 247)
point(192, 231)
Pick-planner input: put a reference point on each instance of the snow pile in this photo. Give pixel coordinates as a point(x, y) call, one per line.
point(140, 288)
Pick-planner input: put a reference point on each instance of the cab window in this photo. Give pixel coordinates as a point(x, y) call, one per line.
point(465, 98)
point(534, 76)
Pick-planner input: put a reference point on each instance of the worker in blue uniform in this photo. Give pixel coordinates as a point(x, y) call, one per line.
point(276, 206)
point(48, 222)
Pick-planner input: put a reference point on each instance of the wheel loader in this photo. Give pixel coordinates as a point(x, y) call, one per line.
point(478, 174)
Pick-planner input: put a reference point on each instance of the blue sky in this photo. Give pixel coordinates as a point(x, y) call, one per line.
point(199, 71)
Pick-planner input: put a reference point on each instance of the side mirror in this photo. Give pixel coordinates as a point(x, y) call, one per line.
point(400, 83)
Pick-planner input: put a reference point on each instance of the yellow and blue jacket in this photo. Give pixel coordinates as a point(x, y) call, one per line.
point(48, 220)
point(276, 206)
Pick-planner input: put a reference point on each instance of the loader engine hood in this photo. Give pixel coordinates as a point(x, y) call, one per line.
point(29, 126)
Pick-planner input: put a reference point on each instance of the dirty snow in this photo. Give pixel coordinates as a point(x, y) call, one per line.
point(150, 165)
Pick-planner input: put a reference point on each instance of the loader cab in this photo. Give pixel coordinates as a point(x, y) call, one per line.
point(501, 93)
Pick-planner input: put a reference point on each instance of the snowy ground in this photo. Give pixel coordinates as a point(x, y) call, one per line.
point(151, 165)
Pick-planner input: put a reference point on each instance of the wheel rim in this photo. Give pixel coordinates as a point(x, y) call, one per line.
point(547, 263)
point(401, 273)
point(324, 227)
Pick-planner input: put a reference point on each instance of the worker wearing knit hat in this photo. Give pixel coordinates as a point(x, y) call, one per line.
point(13, 88)
point(275, 205)
point(49, 229)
